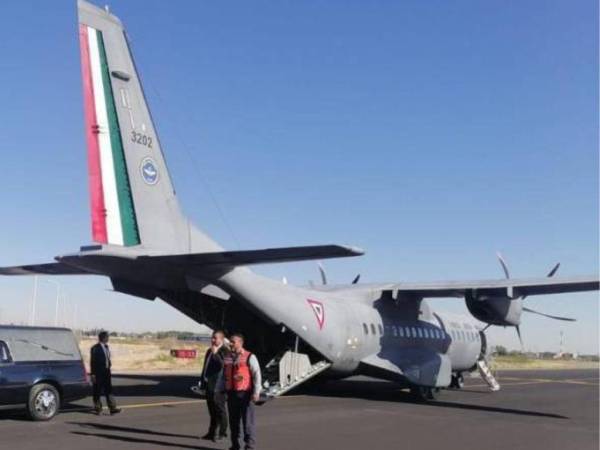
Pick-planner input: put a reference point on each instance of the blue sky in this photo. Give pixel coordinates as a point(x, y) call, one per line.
point(431, 134)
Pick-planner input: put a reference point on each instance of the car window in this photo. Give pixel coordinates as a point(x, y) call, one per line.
point(4, 353)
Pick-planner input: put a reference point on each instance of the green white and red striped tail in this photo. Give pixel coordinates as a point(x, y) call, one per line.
point(133, 202)
point(113, 212)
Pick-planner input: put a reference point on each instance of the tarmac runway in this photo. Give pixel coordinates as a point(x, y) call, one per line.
point(534, 410)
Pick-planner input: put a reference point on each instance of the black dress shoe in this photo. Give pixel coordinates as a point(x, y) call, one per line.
point(220, 437)
point(208, 437)
point(115, 411)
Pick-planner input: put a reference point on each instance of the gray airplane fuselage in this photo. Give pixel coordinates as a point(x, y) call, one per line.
point(358, 323)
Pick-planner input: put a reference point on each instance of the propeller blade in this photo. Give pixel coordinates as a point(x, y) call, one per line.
point(504, 265)
point(553, 271)
point(322, 272)
point(356, 278)
point(550, 275)
point(518, 328)
point(533, 311)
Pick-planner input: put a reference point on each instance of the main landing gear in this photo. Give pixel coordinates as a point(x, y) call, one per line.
point(424, 393)
point(457, 381)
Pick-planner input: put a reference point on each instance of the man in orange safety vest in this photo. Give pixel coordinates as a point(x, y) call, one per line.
point(242, 382)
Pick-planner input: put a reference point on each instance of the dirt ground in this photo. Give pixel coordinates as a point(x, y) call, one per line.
point(518, 363)
point(147, 355)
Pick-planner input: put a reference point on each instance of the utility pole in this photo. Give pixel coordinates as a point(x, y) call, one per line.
point(64, 310)
point(33, 300)
point(57, 284)
point(561, 350)
point(74, 314)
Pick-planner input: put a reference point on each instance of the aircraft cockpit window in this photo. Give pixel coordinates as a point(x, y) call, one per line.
point(365, 328)
point(373, 331)
point(380, 329)
point(413, 332)
point(401, 331)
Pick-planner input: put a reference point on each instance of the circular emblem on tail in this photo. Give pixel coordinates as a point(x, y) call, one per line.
point(149, 171)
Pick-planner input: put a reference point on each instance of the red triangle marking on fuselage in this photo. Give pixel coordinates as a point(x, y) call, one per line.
point(319, 311)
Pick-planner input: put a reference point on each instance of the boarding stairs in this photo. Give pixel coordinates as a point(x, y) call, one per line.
point(288, 370)
point(487, 375)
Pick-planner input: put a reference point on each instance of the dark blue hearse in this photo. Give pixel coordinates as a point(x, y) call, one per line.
point(40, 368)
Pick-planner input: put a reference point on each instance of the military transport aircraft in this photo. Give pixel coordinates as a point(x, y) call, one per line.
point(149, 249)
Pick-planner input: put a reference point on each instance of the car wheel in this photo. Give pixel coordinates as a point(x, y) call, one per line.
point(44, 402)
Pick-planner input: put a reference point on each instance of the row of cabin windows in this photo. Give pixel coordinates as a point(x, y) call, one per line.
point(417, 332)
point(373, 329)
point(469, 336)
point(427, 333)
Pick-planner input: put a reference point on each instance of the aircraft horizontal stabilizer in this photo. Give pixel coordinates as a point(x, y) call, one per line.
point(262, 256)
point(42, 269)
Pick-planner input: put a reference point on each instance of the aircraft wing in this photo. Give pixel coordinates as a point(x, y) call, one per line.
point(42, 269)
point(262, 256)
point(513, 287)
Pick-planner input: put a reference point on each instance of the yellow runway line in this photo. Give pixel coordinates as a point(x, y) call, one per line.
point(538, 381)
point(174, 403)
point(169, 403)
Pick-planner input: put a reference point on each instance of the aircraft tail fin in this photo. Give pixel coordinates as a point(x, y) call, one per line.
point(133, 201)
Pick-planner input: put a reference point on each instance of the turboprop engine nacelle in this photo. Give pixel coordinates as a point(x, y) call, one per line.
point(497, 310)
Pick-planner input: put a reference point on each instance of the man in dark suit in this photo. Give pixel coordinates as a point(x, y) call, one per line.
point(212, 371)
point(100, 365)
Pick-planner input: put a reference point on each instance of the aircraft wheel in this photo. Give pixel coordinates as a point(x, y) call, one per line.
point(424, 393)
point(457, 382)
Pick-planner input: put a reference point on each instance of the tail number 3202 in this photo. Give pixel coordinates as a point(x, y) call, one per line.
point(142, 139)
